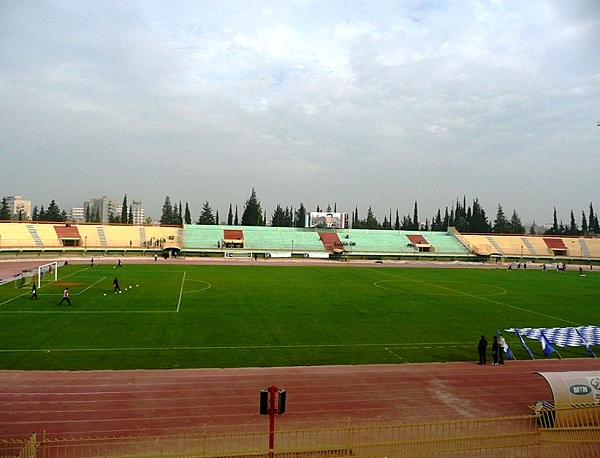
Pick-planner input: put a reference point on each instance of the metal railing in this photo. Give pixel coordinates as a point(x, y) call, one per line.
point(522, 436)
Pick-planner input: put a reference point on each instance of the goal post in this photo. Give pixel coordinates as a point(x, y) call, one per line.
point(47, 273)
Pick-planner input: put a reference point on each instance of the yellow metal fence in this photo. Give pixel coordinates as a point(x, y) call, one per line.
point(520, 436)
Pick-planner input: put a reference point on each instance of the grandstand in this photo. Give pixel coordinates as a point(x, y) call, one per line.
point(22, 239)
point(534, 247)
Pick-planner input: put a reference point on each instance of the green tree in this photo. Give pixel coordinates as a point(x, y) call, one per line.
point(501, 224)
point(478, 221)
point(130, 217)
point(555, 229)
point(572, 230)
point(53, 212)
point(5, 213)
point(124, 218)
point(415, 218)
point(371, 221)
point(277, 220)
point(230, 216)
point(436, 223)
point(188, 215)
point(593, 225)
point(516, 226)
point(177, 214)
point(252, 215)
point(167, 212)
point(406, 224)
point(300, 216)
point(584, 224)
point(206, 216)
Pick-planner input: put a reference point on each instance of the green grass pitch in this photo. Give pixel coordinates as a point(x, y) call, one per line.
point(195, 316)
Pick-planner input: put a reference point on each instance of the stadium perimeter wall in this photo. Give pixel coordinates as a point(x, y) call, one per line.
point(40, 240)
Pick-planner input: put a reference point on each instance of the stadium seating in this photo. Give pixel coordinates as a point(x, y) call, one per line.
point(533, 246)
point(282, 238)
point(207, 239)
point(331, 241)
point(18, 235)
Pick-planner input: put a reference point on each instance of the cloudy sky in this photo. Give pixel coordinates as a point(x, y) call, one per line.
point(353, 103)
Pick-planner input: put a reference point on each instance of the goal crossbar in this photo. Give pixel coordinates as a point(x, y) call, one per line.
point(47, 272)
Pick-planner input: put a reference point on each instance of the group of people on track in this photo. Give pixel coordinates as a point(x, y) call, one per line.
point(498, 348)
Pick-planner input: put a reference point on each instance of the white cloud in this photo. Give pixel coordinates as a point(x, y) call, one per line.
point(363, 103)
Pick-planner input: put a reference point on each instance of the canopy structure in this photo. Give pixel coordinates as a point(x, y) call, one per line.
point(572, 389)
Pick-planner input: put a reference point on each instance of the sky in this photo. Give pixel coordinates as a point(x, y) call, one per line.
point(350, 104)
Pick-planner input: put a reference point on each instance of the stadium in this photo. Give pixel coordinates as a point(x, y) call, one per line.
point(315, 341)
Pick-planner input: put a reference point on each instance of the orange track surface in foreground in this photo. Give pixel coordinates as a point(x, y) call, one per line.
point(98, 403)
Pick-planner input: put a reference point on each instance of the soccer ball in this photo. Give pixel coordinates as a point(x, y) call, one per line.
point(105, 294)
point(119, 292)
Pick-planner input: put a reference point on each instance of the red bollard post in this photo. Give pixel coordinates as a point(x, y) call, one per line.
point(272, 394)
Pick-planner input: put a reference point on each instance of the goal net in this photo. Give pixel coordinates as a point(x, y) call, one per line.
point(47, 273)
point(44, 274)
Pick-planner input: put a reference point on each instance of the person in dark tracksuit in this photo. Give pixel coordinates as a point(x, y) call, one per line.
point(482, 348)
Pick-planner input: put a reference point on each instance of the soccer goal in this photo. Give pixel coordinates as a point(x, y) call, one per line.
point(47, 273)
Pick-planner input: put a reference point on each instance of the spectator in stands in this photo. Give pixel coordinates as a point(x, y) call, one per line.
point(482, 349)
point(65, 297)
point(33, 291)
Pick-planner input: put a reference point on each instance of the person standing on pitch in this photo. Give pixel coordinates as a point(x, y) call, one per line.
point(495, 348)
point(33, 291)
point(482, 348)
point(65, 297)
point(501, 349)
point(116, 286)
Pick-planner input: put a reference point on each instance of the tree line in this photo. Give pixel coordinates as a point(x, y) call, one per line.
point(464, 217)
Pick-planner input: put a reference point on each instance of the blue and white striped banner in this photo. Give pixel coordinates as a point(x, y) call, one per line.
point(563, 337)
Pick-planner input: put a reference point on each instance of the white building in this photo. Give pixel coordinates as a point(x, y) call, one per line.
point(102, 208)
point(77, 214)
point(18, 205)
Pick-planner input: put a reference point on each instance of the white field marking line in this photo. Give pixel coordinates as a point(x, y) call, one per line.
point(199, 290)
point(60, 294)
point(16, 297)
point(482, 298)
point(83, 312)
point(247, 347)
point(397, 356)
point(181, 290)
point(501, 293)
point(92, 285)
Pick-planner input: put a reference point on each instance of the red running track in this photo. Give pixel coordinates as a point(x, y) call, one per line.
point(98, 403)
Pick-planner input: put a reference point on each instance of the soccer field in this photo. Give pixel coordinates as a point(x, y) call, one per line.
point(193, 316)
